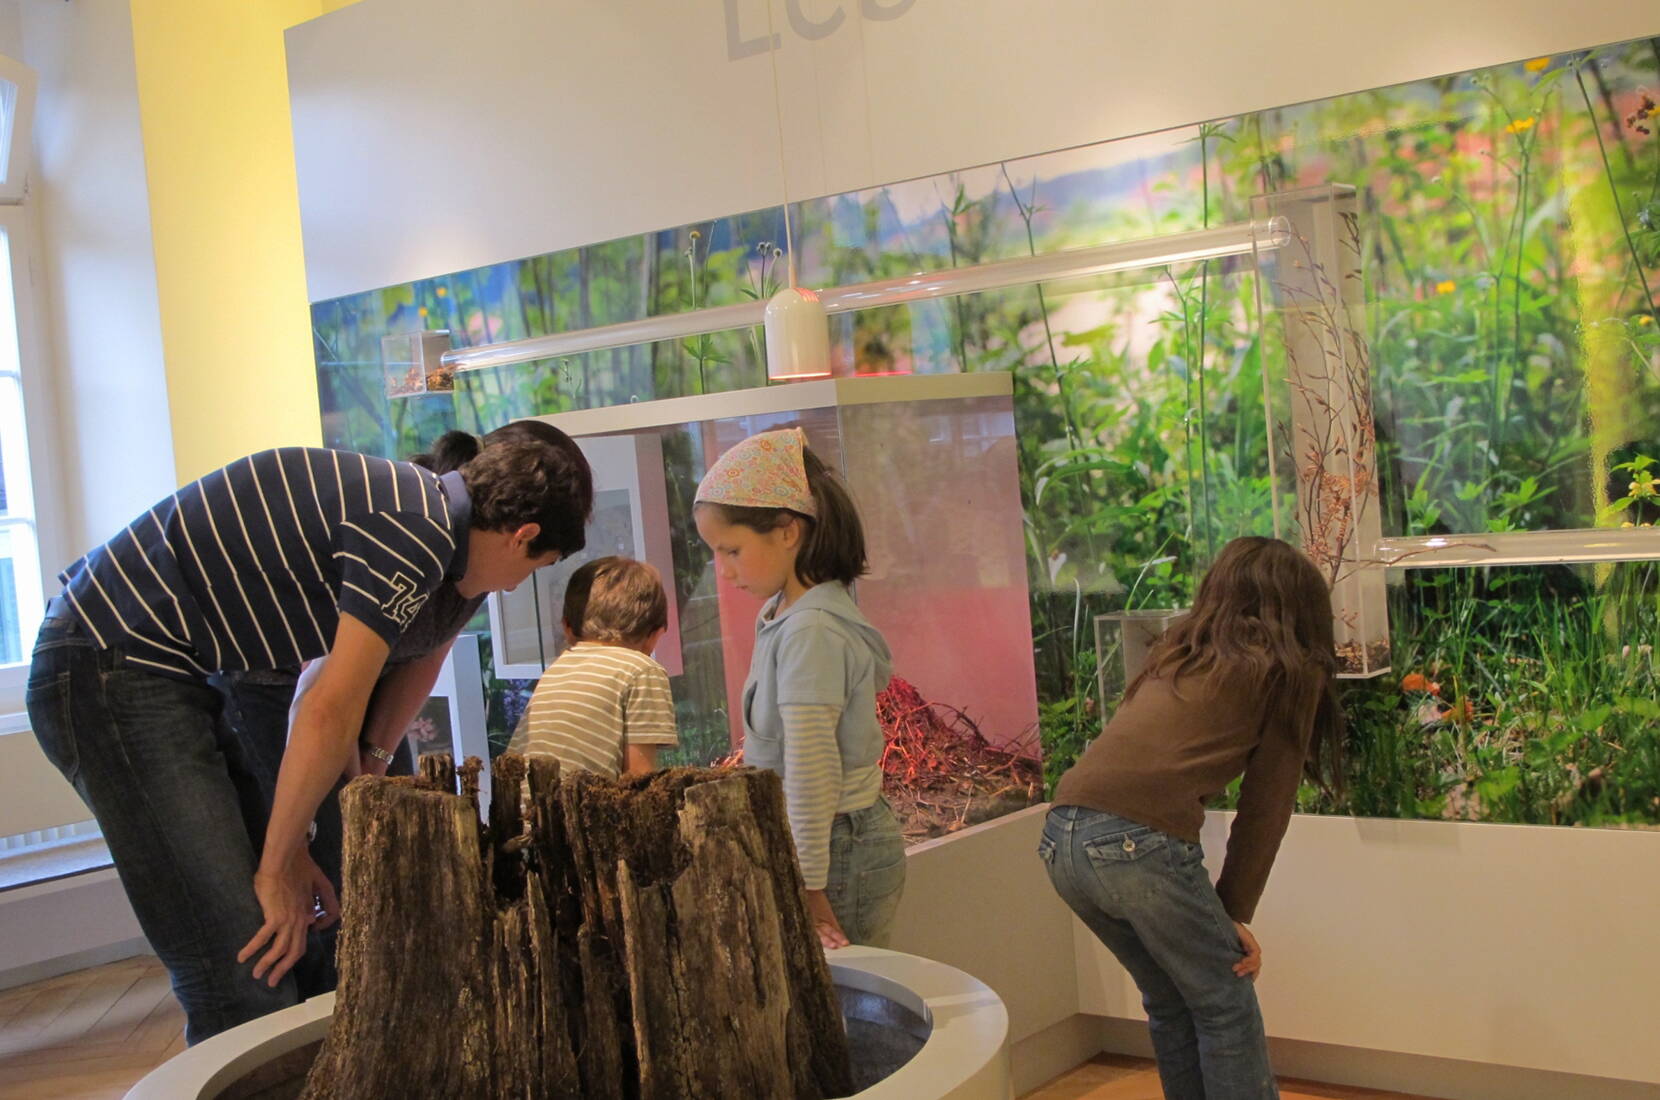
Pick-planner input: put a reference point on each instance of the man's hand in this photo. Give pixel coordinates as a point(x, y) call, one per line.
point(1251, 965)
point(830, 932)
point(294, 900)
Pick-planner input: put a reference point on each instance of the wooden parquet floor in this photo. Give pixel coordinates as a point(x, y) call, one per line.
point(88, 1035)
point(1112, 1077)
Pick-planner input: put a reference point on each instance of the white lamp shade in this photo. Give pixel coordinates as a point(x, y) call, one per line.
point(798, 336)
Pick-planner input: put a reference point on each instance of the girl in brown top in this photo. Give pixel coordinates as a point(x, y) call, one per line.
point(1242, 686)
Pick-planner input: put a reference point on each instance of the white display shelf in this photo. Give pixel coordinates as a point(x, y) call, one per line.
point(781, 398)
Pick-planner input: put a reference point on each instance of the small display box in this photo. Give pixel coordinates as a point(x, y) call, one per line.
point(1122, 639)
point(413, 363)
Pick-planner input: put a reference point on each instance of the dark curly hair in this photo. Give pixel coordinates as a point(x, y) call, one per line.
point(524, 472)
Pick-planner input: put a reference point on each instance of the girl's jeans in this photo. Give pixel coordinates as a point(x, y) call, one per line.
point(867, 872)
point(1145, 894)
point(152, 757)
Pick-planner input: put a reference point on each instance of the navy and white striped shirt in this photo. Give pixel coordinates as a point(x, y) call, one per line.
point(251, 566)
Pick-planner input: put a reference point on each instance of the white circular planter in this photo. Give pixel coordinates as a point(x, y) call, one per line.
point(964, 1057)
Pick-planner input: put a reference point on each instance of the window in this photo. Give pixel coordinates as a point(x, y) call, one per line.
point(22, 586)
point(45, 831)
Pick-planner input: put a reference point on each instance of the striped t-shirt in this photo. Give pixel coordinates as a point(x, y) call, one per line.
point(592, 703)
point(251, 566)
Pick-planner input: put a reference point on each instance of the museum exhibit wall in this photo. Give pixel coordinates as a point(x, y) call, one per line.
point(213, 102)
point(647, 179)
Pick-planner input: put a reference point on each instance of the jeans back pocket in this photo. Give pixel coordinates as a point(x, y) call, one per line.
point(52, 720)
point(1125, 846)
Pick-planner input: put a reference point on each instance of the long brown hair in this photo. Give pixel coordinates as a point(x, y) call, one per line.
point(1262, 623)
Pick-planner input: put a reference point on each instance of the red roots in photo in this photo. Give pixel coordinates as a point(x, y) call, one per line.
point(940, 774)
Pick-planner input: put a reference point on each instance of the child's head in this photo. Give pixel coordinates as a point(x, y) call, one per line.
point(615, 600)
point(1262, 620)
point(773, 513)
point(1265, 593)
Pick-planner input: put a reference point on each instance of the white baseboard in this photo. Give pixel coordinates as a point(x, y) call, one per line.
point(1422, 1076)
point(68, 964)
point(63, 925)
point(1053, 1051)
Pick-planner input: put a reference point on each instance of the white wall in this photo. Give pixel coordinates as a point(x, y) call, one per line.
point(980, 901)
point(432, 137)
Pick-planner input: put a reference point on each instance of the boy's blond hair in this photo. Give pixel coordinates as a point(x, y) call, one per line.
point(617, 600)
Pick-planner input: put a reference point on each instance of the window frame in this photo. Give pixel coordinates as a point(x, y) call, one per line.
point(17, 130)
point(20, 251)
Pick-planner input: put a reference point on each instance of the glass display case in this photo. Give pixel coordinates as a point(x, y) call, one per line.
point(412, 363)
point(1327, 431)
point(630, 520)
point(1122, 639)
point(930, 462)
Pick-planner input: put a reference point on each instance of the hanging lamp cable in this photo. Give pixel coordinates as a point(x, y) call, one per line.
point(783, 167)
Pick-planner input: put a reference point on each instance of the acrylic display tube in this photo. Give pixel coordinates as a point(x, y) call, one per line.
point(1602, 544)
point(1075, 263)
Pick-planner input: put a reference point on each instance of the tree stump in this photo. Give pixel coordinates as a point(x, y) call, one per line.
point(637, 940)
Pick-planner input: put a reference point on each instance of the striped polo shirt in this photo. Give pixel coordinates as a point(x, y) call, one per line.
point(592, 703)
point(251, 566)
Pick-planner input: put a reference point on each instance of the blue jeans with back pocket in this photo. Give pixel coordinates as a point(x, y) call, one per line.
point(153, 758)
point(1146, 896)
point(867, 873)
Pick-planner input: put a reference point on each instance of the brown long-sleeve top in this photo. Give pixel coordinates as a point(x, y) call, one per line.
point(1169, 750)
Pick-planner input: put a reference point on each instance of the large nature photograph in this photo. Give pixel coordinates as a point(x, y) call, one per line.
point(1501, 303)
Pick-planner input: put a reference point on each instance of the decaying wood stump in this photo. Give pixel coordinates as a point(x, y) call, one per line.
point(637, 940)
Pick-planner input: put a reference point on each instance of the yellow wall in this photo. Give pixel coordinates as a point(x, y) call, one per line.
point(224, 209)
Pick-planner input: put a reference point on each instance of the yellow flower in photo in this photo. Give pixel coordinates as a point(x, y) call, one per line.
point(442, 291)
point(1446, 286)
point(1537, 65)
point(1521, 125)
point(1645, 319)
point(423, 311)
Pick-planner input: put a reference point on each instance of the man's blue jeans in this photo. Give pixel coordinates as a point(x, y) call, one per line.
point(1145, 894)
point(152, 757)
point(256, 707)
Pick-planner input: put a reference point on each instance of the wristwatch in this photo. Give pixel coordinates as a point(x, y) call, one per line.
point(377, 752)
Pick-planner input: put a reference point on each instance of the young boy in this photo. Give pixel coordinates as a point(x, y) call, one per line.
point(605, 705)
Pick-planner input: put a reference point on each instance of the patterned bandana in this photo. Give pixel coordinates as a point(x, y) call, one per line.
point(763, 471)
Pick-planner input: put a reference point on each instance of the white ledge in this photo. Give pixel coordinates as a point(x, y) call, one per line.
point(1600, 544)
point(781, 398)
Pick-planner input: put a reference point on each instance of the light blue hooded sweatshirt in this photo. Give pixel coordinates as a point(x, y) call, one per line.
point(820, 649)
